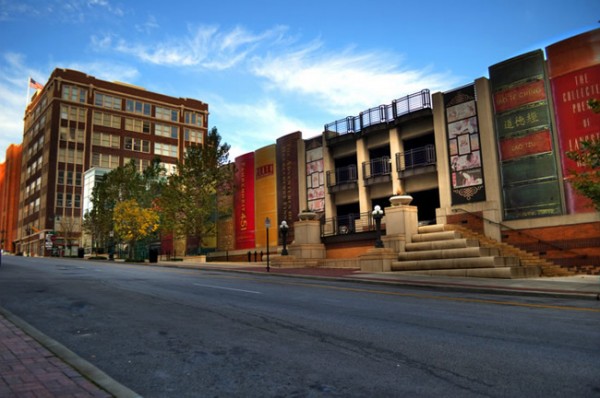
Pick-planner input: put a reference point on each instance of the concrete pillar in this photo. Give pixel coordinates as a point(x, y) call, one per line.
point(362, 155)
point(395, 148)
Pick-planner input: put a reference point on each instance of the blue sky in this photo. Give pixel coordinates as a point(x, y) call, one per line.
point(268, 68)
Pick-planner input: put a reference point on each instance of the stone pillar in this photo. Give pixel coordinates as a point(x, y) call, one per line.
point(306, 249)
point(401, 223)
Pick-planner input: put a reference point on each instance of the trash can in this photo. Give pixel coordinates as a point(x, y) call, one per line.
point(80, 252)
point(153, 255)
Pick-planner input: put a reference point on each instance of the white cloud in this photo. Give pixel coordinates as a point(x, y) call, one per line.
point(204, 46)
point(149, 25)
point(14, 77)
point(106, 70)
point(247, 127)
point(345, 83)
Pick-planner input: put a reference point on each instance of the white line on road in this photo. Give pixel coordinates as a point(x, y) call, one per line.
point(227, 288)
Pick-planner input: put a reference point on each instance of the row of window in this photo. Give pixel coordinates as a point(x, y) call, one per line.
point(137, 145)
point(70, 155)
point(71, 177)
point(104, 160)
point(144, 126)
point(68, 200)
point(71, 134)
point(39, 144)
point(33, 187)
point(73, 113)
point(79, 94)
point(106, 140)
point(35, 166)
point(32, 207)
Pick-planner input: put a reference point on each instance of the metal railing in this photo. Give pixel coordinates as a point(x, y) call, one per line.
point(540, 245)
point(377, 167)
point(380, 114)
point(418, 157)
point(349, 224)
point(342, 175)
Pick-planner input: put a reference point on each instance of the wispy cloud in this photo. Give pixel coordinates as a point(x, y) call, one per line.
point(204, 46)
point(247, 127)
point(343, 81)
point(148, 26)
point(106, 70)
point(346, 81)
point(73, 11)
point(14, 75)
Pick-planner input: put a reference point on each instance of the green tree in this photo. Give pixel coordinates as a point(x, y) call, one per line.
point(121, 184)
point(188, 202)
point(133, 222)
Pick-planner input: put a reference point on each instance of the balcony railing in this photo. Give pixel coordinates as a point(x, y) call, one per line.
point(342, 175)
point(418, 157)
point(377, 168)
point(380, 114)
point(349, 224)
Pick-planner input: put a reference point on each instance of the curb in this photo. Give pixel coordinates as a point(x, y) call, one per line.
point(85, 368)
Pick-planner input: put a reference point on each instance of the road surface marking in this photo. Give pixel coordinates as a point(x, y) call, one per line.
point(227, 288)
point(427, 296)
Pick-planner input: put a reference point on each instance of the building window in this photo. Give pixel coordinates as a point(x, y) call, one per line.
point(137, 125)
point(61, 177)
point(108, 101)
point(106, 140)
point(107, 120)
point(69, 178)
point(194, 118)
point(193, 136)
point(136, 144)
point(74, 93)
point(59, 199)
point(165, 130)
point(166, 114)
point(140, 164)
point(165, 149)
point(104, 160)
point(170, 168)
point(138, 107)
point(71, 134)
point(70, 155)
point(72, 113)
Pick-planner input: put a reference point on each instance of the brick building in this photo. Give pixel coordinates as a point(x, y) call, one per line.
point(78, 122)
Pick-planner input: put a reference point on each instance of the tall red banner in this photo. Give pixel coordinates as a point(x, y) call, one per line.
point(245, 227)
point(574, 67)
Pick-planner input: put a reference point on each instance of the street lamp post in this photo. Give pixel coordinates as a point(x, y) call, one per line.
point(267, 226)
point(284, 231)
point(111, 247)
point(377, 215)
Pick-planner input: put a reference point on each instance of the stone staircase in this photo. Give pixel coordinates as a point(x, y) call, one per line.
point(527, 259)
point(455, 251)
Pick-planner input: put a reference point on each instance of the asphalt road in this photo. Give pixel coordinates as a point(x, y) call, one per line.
point(167, 332)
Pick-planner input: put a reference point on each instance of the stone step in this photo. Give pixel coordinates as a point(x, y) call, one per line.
point(436, 236)
point(497, 272)
point(462, 252)
point(442, 244)
point(455, 263)
point(425, 229)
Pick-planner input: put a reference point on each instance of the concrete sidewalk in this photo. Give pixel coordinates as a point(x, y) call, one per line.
point(578, 286)
point(34, 365)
